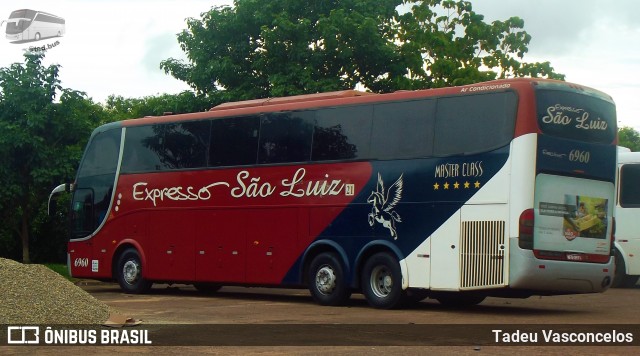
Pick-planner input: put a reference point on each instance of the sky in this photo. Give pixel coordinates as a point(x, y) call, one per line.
point(115, 46)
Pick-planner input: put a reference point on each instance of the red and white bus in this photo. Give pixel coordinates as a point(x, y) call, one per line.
point(503, 188)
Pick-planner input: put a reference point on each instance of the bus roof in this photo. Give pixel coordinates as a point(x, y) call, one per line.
point(628, 157)
point(349, 97)
point(34, 12)
point(290, 99)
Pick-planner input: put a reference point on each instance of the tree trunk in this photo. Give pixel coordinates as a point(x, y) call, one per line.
point(24, 235)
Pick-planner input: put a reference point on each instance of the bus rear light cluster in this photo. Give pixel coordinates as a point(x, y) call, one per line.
point(525, 228)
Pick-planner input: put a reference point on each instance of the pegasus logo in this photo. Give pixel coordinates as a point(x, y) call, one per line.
point(383, 202)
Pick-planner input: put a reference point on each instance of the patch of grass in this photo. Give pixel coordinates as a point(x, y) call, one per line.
point(61, 269)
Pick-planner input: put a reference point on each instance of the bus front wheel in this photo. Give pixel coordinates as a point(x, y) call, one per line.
point(129, 273)
point(37, 36)
point(382, 281)
point(327, 282)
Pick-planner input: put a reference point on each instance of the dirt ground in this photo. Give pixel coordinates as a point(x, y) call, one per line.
point(237, 320)
point(182, 304)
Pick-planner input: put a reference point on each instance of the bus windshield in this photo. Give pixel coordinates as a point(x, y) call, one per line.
point(19, 20)
point(576, 116)
point(94, 184)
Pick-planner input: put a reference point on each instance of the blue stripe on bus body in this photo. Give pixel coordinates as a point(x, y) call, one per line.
point(424, 205)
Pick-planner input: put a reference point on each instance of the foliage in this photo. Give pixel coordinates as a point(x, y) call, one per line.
point(44, 129)
point(60, 269)
point(458, 47)
point(120, 108)
point(41, 141)
point(629, 138)
point(284, 47)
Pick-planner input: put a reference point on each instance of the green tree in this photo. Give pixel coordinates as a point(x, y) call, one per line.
point(260, 49)
point(629, 138)
point(120, 108)
point(457, 47)
point(43, 129)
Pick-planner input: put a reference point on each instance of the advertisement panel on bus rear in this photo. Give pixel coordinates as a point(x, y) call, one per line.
point(572, 216)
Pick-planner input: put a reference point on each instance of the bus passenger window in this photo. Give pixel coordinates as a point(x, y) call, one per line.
point(629, 188)
point(342, 133)
point(185, 145)
point(403, 130)
point(470, 124)
point(285, 137)
point(234, 141)
point(143, 149)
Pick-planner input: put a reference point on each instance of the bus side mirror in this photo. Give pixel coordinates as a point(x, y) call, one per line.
point(66, 187)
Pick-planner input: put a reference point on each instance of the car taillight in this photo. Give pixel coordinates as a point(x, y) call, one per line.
point(525, 228)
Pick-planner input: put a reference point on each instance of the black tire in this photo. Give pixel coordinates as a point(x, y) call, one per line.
point(459, 299)
point(327, 282)
point(37, 36)
point(129, 273)
point(381, 282)
point(620, 278)
point(207, 288)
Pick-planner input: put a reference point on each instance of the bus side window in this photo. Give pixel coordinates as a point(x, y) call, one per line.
point(403, 130)
point(143, 149)
point(186, 145)
point(285, 137)
point(342, 133)
point(476, 123)
point(629, 188)
point(234, 141)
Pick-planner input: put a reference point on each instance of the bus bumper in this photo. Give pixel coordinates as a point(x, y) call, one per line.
point(556, 277)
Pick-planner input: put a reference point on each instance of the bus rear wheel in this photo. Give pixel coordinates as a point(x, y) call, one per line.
point(327, 282)
point(129, 273)
point(382, 282)
point(620, 278)
point(37, 36)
